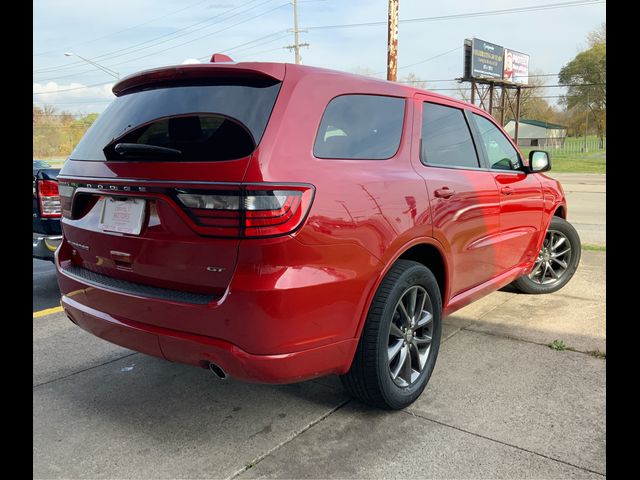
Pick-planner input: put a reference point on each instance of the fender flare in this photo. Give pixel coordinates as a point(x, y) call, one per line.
point(398, 253)
point(562, 203)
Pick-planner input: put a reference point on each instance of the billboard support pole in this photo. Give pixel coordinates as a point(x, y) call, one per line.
point(491, 99)
point(517, 114)
point(502, 105)
point(473, 92)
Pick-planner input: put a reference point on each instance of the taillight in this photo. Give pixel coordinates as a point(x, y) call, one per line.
point(249, 211)
point(49, 198)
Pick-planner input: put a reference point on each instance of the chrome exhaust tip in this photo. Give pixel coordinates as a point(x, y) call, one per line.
point(218, 372)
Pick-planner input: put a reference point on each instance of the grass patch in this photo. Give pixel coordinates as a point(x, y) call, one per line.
point(579, 163)
point(590, 162)
point(558, 345)
point(594, 247)
point(597, 353)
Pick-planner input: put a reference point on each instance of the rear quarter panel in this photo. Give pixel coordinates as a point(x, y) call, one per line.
point(380, 207)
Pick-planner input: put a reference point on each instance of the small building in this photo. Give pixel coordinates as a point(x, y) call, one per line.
point(536, 133)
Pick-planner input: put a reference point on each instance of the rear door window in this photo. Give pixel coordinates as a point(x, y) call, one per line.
point(360, 127)
point(224, 120)
point(446, 138)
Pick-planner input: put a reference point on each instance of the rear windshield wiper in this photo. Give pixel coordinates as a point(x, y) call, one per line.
point(144, 150)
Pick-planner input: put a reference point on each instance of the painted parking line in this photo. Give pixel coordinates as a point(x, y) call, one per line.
point(48, 311)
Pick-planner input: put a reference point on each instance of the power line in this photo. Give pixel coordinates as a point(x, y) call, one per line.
point(457, 79)
point(280, 33)
point(125, 29)
point(74, 88)
point(483, 13)
point(247, 50)
point(116, 53)
point(426, 60)
point(76, 103)
point(253, 54)
point(201, 37)
point(542, 86)
point(192, 31)
point(110, 55)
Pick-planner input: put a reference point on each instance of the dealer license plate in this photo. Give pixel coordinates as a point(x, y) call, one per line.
point(122, 215)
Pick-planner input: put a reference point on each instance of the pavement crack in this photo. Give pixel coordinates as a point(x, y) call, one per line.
point(295, 434)
point(407, 412)
point(83, 370)
point(508, 299)
point(469, 328)
point(453, 334)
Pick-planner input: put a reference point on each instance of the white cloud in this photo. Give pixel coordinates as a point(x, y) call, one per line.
point(73, 97)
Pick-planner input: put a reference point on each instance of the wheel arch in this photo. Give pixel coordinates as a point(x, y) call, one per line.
point(427, 251)
point(558, 210)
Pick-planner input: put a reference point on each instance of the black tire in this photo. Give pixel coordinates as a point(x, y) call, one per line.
point(528, 285)
point(369, 378)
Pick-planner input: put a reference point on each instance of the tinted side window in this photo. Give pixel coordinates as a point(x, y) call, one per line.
point(500, 152)
point(360, 127)
point(446, 139)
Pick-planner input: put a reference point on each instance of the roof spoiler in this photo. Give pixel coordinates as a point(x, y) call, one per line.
point(220, 66)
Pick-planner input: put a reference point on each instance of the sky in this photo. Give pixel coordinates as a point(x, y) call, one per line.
point(126, 36)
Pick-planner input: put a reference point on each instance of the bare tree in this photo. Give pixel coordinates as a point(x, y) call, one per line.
point(413, 80)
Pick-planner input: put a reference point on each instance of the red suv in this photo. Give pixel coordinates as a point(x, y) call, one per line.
point(277, 222)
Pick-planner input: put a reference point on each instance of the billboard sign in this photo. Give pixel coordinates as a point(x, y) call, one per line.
point(487, 59)
point(493, 62)
point(516, 67)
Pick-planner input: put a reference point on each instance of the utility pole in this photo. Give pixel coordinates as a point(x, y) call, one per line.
point(392, 41)
point(296, 44)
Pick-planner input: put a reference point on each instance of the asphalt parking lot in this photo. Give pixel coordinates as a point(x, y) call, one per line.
point(500, 404)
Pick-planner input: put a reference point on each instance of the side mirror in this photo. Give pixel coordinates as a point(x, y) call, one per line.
point(539, 161)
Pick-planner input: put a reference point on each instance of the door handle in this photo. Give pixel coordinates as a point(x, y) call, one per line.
point(444, 192)
point(506, 190)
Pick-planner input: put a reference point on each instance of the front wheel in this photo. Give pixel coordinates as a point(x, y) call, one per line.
point(557, 261)
point(399, 344)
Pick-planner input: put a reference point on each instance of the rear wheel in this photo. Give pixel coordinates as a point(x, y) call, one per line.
point(557, 260)
point(400, 340)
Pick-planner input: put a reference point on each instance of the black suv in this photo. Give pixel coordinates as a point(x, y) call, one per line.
point(47, 234)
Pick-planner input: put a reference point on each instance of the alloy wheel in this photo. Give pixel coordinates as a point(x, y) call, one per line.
point(553, 260)
point(410, 336)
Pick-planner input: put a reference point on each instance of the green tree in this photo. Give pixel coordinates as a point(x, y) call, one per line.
point(532, 105)
point(586, 76)
point(55, 133)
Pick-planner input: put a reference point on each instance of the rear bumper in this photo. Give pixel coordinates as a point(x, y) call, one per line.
point(274, 324)
point(199, 350)
point(45, 245)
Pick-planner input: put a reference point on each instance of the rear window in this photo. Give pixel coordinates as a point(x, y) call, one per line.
point(360, 127)
point(216, 121)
